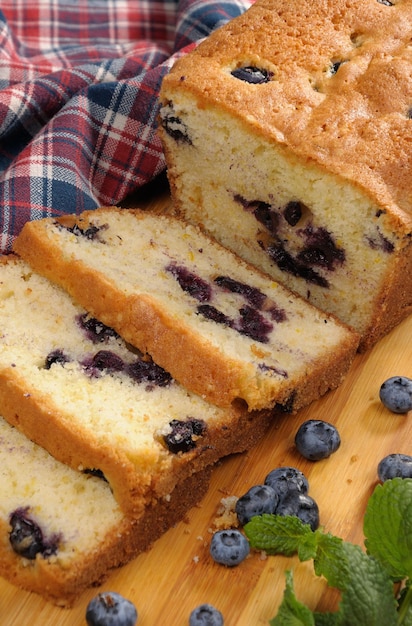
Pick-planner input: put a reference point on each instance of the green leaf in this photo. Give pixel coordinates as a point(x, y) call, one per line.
point(388, 526)
point(292, 612)
point(368, 599)
point(328, 619)
point(276, 534)
point(308, 546)
point(331, 560)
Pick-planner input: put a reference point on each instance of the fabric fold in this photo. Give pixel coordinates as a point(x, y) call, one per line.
point(79, 81)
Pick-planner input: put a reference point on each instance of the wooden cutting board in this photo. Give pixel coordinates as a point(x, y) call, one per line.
point(178, 574)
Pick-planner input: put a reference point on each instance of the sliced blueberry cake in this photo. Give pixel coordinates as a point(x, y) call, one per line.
point(221, 328)
point(287, 136)
point(61, 530)
point(73, 386)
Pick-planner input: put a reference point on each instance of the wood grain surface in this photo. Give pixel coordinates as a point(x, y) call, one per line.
point(177, 574)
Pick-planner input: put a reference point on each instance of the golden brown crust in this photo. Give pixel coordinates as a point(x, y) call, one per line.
point(63, 585)
point(310, 110)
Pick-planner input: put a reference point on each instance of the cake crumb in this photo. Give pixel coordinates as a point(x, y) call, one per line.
point(226, 515)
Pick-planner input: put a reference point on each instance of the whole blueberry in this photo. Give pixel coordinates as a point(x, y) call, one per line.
point(229, 547)
point(395, 465)
point(396, 394)
point(284, 479)
point(110, 609)
point(259, 499)
point(205, 615)
point(300, 505)
point(316, 439)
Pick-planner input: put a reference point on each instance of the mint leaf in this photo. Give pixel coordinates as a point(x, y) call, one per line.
point(388, 526)
point(368, 598)
point(277, 534)
point(292, 612)
point(331, 560)
point(308, 546)
point(328, 619)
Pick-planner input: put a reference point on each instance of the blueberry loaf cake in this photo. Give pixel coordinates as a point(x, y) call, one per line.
point(73, 386)
point(61, 530)
point(287, 136)
point(221, 328)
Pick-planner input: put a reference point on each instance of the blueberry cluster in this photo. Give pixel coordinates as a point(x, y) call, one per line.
point(284, 492)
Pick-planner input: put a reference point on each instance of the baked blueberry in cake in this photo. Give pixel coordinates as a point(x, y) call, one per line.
point(299, 157)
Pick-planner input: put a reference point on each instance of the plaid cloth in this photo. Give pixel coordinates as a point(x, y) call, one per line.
point(79, 81)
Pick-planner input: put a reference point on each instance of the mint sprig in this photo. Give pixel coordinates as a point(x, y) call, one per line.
point(365, 579)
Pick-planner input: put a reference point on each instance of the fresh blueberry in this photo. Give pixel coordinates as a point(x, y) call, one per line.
point(229, 547)
point(316, 439)
point(110, 609)
point(299, 505)
point(396, 394)
point(206, 615)
point(395, 465)
point(259, 499)
point(286, 479)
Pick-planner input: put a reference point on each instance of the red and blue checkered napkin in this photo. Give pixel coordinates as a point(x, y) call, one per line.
point(79, 81)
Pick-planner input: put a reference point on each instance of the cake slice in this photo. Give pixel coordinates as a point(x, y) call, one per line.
point(287, 136)
point(73, 386)
point(61, 531)
point(221, 328)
